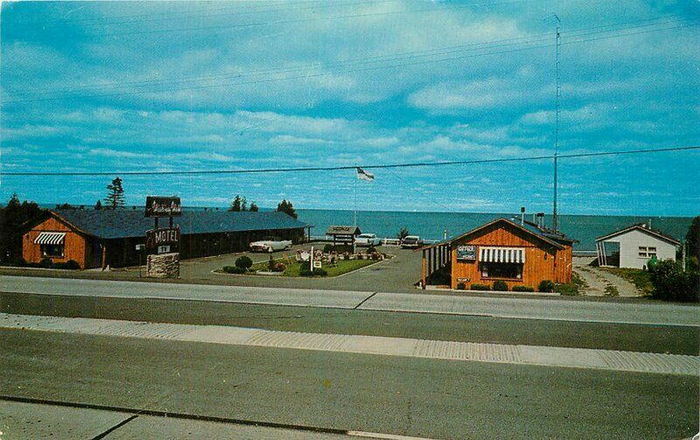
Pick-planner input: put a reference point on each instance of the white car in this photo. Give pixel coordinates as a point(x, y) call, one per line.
point(367, 240)
point(270, 244)
point(411, 241)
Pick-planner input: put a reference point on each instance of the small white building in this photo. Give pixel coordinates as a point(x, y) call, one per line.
point(634, 246)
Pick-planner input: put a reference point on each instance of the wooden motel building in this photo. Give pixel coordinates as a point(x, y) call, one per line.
point(517, 253)
point(108, 237)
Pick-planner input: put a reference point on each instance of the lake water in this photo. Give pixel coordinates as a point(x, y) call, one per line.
point(432, 225)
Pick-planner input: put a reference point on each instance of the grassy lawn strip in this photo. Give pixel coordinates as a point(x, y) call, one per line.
point(293, 268)
point(640, 278)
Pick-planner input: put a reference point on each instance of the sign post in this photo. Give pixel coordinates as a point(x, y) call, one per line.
point(163, 244)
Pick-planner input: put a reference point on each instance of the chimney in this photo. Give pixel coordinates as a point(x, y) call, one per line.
point(522, 215)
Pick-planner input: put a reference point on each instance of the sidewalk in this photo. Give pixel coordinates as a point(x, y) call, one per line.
point(31, 420)
point(372, 345)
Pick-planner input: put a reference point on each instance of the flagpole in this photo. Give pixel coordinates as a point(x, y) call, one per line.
point(354, 202)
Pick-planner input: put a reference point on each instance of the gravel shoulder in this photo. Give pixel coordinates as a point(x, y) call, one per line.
point(602, 283)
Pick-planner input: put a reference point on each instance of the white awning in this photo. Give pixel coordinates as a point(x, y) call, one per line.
point(489, 254)
point(50, 238)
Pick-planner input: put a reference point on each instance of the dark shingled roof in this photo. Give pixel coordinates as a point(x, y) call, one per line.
point(121, 223)
point(343, 230)
point(557, 239)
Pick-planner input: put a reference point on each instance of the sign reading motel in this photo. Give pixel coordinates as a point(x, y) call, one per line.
point(164, 238)
point(163, 206)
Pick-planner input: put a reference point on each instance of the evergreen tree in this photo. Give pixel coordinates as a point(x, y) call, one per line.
point(253, 207)
point(236, 204)
point(115, 194)
point(287, 208)
point(692, 239)
point(98, 205)
point(15, 219)
point(244, 204)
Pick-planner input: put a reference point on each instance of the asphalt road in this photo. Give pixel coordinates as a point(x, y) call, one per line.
point(557, 333)
point(407, 396)
point(522, 307)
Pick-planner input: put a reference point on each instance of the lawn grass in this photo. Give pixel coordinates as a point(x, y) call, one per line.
point(293, 268)
point(640, 278)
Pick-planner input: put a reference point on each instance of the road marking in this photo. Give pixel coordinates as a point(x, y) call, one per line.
point(509, 308)
point(365, 300)
point(145, 412)
point(374, 345)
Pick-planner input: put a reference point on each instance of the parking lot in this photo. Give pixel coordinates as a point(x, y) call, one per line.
point(397, 274)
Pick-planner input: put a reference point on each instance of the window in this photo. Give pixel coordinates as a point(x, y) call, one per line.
point(52, 250)
point(502, 270)
point(647, 252)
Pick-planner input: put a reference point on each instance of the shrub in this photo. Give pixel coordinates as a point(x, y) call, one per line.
point(375, 255)
point(305, 272)
point(523, 289)
point(480, 287)
point(270, 264)
point(569, 289)
point(70, 265)
point(440, 277)
point(234, 269)
point(371, 250)
point(546, 286)
point(671, 283)
point(18, 261)
point(328, 248)
point(461, 286)
point(46, 263)
point(244, 262)
point(279, 267)
point(500, 285)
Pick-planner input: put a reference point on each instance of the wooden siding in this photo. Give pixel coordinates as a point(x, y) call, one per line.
point(76, 246)
point(542, 260)
point(86, 250)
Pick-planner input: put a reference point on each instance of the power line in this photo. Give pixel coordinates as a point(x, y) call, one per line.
point(347, 167)
point(529, 39)
point(359, 62)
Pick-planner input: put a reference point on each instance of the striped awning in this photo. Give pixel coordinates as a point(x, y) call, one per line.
point(501, 254)
point(50, 238)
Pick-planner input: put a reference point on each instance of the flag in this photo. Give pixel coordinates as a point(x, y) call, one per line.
point(364, 175)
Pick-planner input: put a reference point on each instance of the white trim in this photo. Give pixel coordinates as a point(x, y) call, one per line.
point(50, 238)
point(492, 254)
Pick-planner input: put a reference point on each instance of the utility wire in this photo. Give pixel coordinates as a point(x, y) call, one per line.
point(367, 59)
point(528, 46)
point(346, 167)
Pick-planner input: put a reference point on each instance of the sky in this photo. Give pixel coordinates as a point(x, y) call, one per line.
point(179, 86)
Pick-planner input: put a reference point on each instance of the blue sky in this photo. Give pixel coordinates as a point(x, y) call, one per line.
point(101, 86)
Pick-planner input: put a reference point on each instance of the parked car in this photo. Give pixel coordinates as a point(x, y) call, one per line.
point(411, 242)
point(270, 244)
point(367, 240)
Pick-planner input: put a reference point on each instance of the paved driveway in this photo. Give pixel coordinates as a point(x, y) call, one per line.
point(395, 275)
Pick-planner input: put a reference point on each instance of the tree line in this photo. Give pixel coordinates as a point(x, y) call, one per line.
point(16, 217)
